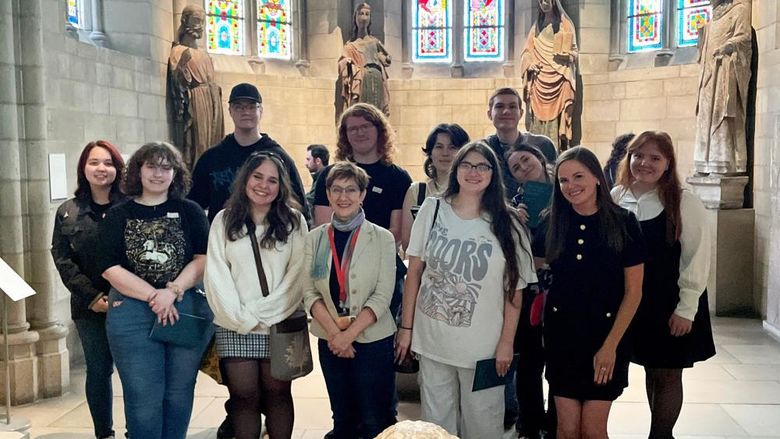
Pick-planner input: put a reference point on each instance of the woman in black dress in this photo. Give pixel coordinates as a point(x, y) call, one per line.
point(596, 253)
point(672, 329)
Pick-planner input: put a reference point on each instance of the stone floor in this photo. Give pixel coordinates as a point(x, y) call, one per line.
point(734, 395)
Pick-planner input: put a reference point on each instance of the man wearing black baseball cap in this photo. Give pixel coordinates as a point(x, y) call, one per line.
point(217, 167)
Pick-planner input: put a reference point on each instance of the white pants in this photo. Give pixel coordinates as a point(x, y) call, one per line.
point(447, 400)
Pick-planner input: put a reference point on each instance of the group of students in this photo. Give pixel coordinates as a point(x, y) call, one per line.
point(133, 248)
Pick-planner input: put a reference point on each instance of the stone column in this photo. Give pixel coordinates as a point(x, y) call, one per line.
point(24, 363)
point(97, 36)
point(54, 369)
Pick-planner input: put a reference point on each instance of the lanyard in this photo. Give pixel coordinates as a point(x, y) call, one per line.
point(343, 265)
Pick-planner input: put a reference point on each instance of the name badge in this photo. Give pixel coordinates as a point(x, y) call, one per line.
point(172, 215)
point(376, 189)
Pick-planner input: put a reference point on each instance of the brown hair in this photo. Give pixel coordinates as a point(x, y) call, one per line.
point(385, 140)
point(669, 187)
point(505, 91)
point(281, 218)
point(156, 152)
point(345, 171)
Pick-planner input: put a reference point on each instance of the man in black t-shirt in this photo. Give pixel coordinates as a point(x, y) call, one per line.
point(366, 139)
point(214, 172)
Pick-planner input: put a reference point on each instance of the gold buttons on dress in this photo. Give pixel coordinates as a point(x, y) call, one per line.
point(582, 226)
point(555, 309)
point(609, 314)
point(579, 257)
point(580, 241)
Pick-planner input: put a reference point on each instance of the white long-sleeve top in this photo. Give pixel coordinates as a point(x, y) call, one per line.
point(694, 241)
point(233, 286)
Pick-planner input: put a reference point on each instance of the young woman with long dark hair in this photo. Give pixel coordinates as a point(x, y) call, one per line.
point(261, 203)
point(596, 253)
point(469, 259)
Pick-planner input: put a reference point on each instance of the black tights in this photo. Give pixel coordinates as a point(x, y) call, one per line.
point(252, 389)
point(665, 395)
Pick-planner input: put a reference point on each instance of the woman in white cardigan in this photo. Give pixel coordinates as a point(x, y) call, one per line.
point(260, 200)
point(349, 276)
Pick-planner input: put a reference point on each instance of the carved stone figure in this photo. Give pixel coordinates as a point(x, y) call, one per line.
point(362, 66)
point(194, 98)
point(724, 55)
point(548, 65)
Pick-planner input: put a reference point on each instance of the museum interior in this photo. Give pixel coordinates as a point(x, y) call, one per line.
point(73, 71)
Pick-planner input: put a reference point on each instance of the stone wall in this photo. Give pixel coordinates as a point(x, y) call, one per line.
point(766, 21)
point(637, 100)
point(418, 105)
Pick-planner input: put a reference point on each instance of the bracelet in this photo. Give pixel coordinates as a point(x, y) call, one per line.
point(408, 328)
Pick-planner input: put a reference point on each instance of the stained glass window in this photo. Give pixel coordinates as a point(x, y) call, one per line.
point(73, 13)
point(645, 25)
point(484, 30)
point(225, 26)
point(274, 29)
point(432, 31)
point(692, 15)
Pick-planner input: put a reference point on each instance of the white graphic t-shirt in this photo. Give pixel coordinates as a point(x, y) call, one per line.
point(460, 305)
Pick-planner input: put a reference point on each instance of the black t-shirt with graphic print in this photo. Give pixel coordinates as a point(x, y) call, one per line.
point(386, 190)
point(153, 242)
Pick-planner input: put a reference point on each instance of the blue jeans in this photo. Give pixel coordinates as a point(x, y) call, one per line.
point(360, 389)
point(100, 366)
point(158, 379)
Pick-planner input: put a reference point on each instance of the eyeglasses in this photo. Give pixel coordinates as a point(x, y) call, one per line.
point(350, 191)
point(360, 128)
point(482, 168)
point(244, 107)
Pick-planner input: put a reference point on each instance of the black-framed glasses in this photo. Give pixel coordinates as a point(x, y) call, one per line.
point(482, 168)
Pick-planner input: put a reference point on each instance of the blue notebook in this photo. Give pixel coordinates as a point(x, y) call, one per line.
point(187, 331)
point(485, 375)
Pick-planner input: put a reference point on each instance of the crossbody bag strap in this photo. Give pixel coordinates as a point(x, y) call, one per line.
point(421, 190)
point(250, 226)
point(435, 213)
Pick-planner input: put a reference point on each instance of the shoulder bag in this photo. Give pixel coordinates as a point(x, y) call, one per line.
point(289, 339)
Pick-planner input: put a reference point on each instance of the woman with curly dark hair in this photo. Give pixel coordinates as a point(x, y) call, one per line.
point(469, 259)
point(73, 249)
point(152, 251)
point(261, 203)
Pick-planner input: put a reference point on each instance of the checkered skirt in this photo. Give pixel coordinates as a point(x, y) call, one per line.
point(232, 344)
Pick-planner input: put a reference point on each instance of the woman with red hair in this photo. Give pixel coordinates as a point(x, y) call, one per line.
point(671, 329)
point(73, 247)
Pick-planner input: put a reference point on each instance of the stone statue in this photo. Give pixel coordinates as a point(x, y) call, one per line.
point(548, 66)
point(194, 98)
point(362, 66)
point(724, 55)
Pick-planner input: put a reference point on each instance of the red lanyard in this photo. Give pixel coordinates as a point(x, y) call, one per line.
point(343, 265)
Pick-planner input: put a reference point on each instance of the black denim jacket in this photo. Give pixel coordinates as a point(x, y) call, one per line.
point(73, 247)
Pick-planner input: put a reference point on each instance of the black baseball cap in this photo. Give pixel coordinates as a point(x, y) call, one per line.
point(245, 91)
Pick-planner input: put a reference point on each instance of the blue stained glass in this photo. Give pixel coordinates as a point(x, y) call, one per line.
point(645, 25)
point(692, 16)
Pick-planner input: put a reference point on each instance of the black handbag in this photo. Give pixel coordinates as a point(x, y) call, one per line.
point(289, 339)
